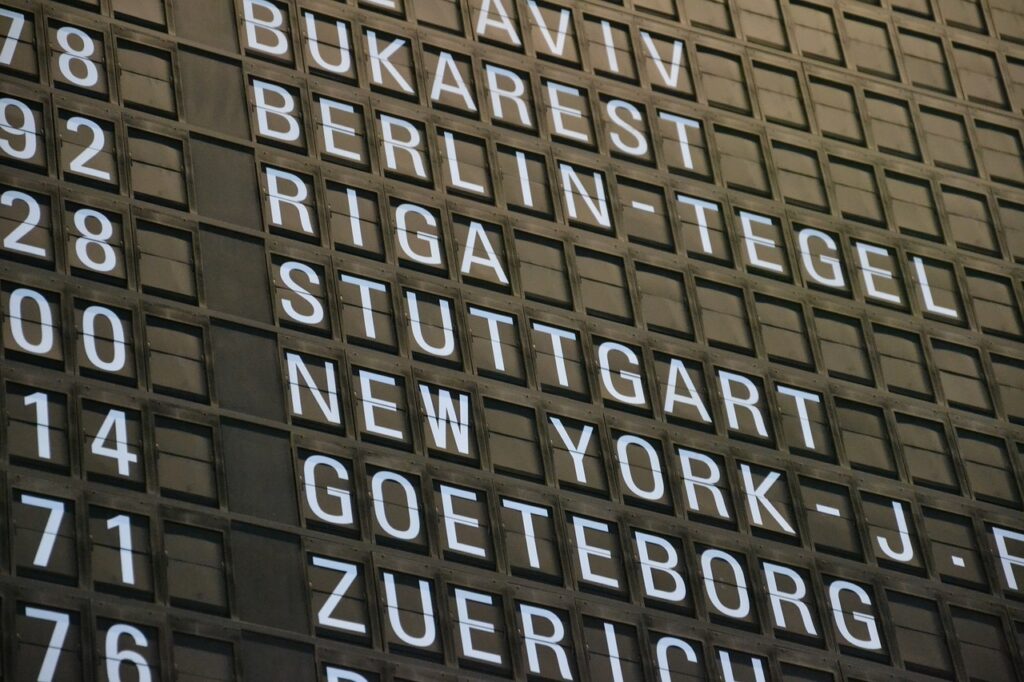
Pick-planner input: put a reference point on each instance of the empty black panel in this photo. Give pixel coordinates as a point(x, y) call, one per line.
point(236, 351)
point(256, 460)
point(225, 182)
point(235, 270)
point(269, 589)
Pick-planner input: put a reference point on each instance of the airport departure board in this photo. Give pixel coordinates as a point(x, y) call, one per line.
point(419, 340)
